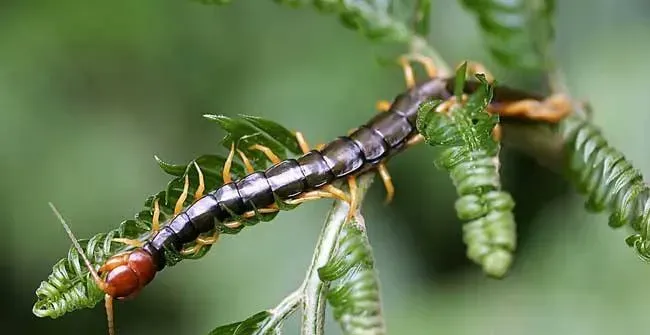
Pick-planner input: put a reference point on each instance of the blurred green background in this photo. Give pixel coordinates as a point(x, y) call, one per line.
point(89, 92)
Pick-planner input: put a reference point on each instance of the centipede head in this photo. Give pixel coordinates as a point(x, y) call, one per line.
point(124, 274)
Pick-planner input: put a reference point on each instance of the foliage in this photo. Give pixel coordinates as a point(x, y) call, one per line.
point(249, 326)
point(69, 287)
point(609, 181)
point(355, 299)
point(518, 33)
point(470, 154)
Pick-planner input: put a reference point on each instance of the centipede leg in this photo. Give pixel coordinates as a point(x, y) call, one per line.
point(129, 242)
point(415, 140)
point(383, 105)
point(409, 77)
point(388, 182)
point(227, 176)
point(181, 199)
point(352, 185)
point(201, 188)
point(428, 64)
point(247, 163)
point(327, 191)
point(155, 227)
point(268, 152)
point(302, 142)
point(311, 195)
point(201, 242)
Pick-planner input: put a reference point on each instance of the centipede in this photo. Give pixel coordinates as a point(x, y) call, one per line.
point(292, 181)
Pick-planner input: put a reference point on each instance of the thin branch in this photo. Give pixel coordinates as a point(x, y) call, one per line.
point(314, 289)
point(285, 308)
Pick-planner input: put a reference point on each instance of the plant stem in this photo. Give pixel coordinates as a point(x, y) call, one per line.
point(314, 290)
point(285, 308)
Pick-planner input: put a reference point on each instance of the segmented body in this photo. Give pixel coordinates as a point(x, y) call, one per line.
point(379, 139)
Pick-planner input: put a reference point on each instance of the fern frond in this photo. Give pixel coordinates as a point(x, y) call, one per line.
point(250, 326)
point(69, 287)
point(518, 33)
point(355, 297)
point(470, 154)
point(609, 181)
point(372, 18)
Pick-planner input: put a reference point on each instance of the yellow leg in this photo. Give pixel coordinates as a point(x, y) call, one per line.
point(268, 152)
point(428, 64)
point(352, 185)
point(271, 209)
point(247, 163)
point(383, 105)
point(129, 242)
point(409, 77)
point(227, 177)
point(155, 219)
point(311, 195)
point(201, 241)
point(232, 225)
point(181, 199)
point(327, 191)
point(388, 182)
point(415, 140)
point(201, 188)
point(337, 193)
point(302, 142)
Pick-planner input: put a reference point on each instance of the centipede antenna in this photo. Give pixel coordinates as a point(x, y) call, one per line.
point(77, 246)
point(102, 284)
point(108, 304)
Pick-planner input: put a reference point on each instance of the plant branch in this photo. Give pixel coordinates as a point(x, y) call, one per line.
point(285, 308)
point(313, 288)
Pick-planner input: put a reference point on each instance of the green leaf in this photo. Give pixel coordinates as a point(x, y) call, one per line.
point(250, 326)
point(459, 83)
point(518, 33)
point(609, 181)
point(247, 131)
point(69, 286)
point(354, 293)
point(468, 151)
point(372, 18)
point(275, 131)
point(172, 169)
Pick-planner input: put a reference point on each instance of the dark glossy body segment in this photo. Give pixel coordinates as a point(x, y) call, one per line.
point(380, 138)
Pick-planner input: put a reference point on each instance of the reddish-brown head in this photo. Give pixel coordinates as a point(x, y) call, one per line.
point(127, 274)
